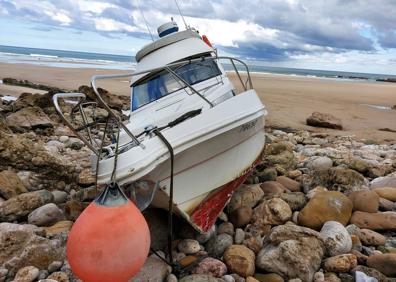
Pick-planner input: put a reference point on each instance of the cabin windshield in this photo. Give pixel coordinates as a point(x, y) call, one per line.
point(161, 84)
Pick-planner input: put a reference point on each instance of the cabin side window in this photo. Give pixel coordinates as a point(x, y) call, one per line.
point(161, 84)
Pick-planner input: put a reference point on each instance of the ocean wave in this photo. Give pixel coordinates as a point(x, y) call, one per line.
point(44, 56)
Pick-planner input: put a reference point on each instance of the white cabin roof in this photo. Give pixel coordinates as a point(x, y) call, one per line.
point(161, 53)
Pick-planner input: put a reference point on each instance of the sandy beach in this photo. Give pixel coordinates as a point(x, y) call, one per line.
point(289, 99)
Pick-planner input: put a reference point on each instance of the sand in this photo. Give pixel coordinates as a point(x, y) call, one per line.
point(289, 99)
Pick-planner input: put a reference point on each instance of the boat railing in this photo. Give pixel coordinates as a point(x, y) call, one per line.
point(113, 120)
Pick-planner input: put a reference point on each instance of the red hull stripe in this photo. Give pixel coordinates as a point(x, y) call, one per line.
point(206, 213)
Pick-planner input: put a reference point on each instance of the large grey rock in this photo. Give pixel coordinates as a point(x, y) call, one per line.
point(23, 245)
point(20, 206)
point(218, 244)
point(28, 118)
point(292, 252)
point(46, 215)
point(336, 238)
point(324, 120)
point(337, 179)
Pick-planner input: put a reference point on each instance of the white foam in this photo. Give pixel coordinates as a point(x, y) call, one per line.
point(379, 107)
point(43, 56)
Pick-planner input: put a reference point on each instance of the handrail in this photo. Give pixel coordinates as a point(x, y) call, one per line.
point(107, 108)
point(55, 99)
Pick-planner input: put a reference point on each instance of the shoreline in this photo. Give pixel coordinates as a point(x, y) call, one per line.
point(289, 99)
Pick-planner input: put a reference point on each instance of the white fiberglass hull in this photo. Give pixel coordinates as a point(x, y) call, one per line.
point(212, 150)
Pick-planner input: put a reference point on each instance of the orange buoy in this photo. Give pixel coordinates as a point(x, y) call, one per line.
point(110, 240)
point(206, 40)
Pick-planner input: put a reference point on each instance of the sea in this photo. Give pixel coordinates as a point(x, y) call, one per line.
point(74, 59)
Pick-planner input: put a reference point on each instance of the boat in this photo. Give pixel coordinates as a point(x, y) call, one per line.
point(191, 139)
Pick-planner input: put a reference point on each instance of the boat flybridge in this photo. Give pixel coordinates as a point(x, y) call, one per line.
point(190, 140)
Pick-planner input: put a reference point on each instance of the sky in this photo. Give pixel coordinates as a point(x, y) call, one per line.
point(343, 35)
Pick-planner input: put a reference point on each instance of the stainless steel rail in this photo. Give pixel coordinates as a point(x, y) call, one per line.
point(111, 113)
point(58, 109)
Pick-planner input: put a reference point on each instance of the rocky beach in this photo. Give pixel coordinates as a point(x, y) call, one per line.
point(319, 207)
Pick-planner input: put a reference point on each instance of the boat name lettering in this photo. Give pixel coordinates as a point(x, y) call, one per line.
point(249, 125)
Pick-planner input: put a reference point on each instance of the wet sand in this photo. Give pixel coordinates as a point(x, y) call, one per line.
point(289, 99)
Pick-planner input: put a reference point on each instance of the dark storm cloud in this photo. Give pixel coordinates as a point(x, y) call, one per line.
point(302, 26)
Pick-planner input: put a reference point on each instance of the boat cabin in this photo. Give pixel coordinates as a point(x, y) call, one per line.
point(191, 79)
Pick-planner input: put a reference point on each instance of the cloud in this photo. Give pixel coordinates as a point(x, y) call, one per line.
point(271, 30)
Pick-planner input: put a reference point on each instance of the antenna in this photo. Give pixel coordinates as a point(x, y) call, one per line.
point(144, 18)
point(177, 5)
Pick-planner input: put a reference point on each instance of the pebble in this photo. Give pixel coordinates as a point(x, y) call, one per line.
point(59, 196)
point(365, 201)
point(296, 200)
point(292, 251)
point(46, 215)
point(356, 243)
point(189, 246)
point(226, 227)
point(198, 278)
point(340, 263)
point(59, 276)
point(371, 238)
point(375, 221)
point(388, 193)
point(318, 277)
point(326, 206)
point(320, 163)
point(289, 183)
point(239, 236)
point(27, 274)
point(241, 216)
point(171, 278)
point(64, 138)
point(54, 266)
point(3, 274)
point(246, 195)
point(386, 205)
point(218, 244)
point(228, 278)
point(336, 238)
point(272, 188)
point(202, 238)
point(240, 260)
point(273, 211)
point(211, 266)
point(43, 274)
point(385, 263)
